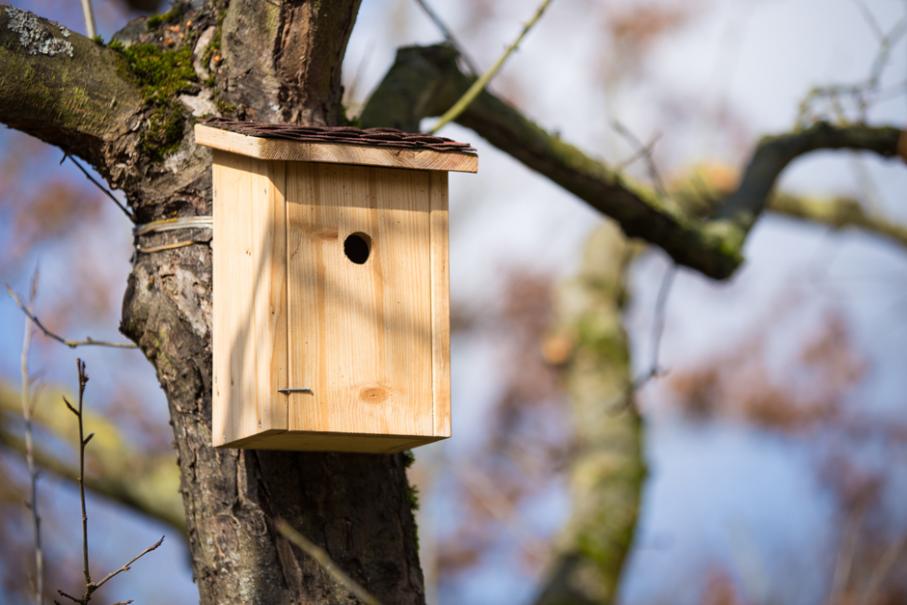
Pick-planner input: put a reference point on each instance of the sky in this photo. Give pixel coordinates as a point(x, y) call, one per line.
point(718, 491)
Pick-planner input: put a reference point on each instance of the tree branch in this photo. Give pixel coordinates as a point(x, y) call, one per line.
point(303, 44)
point(479, 85)
point(72, 344)
point(62, 87)
point(773, 154)
point(838, 213)
point(606, 470)
point(424, 81)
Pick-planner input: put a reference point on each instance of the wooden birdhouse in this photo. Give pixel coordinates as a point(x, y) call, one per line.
point(331, 315)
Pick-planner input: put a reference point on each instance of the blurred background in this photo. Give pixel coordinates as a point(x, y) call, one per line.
point(775, 434)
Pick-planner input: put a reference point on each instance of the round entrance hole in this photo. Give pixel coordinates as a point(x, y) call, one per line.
point(357, 247)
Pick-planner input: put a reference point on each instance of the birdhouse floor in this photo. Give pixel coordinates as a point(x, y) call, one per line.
point(331, 442)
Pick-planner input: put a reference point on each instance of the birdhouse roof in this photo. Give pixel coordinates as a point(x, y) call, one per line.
point(338, 144)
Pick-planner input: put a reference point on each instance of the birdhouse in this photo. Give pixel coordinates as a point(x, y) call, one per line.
point(331, 286)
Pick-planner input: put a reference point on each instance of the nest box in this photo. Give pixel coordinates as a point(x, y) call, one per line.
point(331, 314)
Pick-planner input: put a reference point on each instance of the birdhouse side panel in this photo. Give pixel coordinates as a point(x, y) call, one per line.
point(440, 304)
point(249, 297)
point(360, 299)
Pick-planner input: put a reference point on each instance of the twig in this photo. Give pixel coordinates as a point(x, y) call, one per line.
point(655, 370)
point(27, 409)
point(72, 344)
point(89, 18)
point(644, 151)
point(860, 93)
point(477, 86)
point(90, 586)
point(98, 184)
point(128, 565)
point(323, 559)
point(661, 305)
point(448, 35)
point(83, 442)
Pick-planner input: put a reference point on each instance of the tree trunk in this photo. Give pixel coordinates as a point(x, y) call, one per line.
point(126, 109)
point(280, 63)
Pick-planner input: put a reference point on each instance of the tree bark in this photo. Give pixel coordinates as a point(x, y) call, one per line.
point(281, 61)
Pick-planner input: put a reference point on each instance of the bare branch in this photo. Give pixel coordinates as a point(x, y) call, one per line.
point(838, 213)
point(97, 184)
point(323, 559)
point(128, 565)
point(72, 344)
point(479, 85)
point(90, 587)
point(83, 381)
point(773, 154)
point(88, 13)
point(27, 408)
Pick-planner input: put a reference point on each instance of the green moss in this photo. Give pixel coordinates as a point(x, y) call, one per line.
point(163, 132)
point(171, 16)
point(408, 458)
point(225, 108)
point(412, 494)
point(161, 75)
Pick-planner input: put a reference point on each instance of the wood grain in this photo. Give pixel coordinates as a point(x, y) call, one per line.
point(292, 310)
point(440, 303)
point(360, 334)
point(249, 300)
point(334, 153)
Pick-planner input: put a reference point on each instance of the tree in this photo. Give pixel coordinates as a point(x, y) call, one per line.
point(127, 109)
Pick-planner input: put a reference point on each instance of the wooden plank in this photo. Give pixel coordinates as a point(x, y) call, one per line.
point(360, 334)
point(276, 149)
point(232, 271)
point(249, 308)
point(271, 298)
point(440, 304)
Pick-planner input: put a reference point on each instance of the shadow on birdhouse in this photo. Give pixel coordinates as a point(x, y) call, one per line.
point(331, 286)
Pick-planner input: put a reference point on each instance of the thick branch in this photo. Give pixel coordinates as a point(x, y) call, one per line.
point(838, 213)
point(149, 486)
point(607, 470)
point(424, 80)
point(773, 154)
point(291, 51)
point(62, 87)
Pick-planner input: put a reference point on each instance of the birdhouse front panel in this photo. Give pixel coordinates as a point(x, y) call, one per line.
point(331, 312)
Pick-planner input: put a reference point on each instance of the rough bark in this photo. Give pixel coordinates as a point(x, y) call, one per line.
point(607, 470)
point(356, 507)
point(282, 60)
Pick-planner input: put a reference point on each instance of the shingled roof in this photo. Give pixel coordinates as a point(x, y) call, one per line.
point(345, 135)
